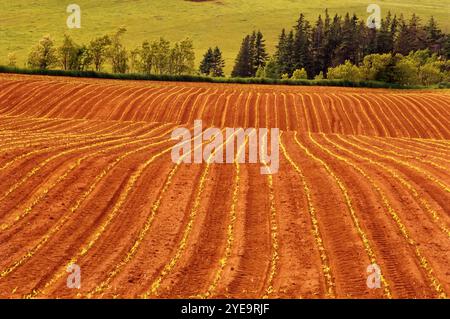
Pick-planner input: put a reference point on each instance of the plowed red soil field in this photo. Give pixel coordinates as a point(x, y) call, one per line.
point(86, 178)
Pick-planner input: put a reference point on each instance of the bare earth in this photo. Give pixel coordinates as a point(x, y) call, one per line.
point(86, 177)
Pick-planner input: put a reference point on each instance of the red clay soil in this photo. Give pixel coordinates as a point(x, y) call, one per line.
point(86, 177)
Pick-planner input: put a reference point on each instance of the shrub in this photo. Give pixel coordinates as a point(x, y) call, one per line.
point(261, 72)
point(12, 59)
point(346, 72)
point(430, 74)
point(319, 76)
point(374, 66)
point(299, 74)
point(406, 72)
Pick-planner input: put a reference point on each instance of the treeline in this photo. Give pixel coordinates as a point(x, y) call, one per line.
point(332, 48)
point(313, 50)
point(157, 57)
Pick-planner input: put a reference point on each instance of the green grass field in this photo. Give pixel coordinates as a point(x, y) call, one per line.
point(210, 23)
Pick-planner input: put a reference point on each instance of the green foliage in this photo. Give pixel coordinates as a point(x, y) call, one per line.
point(178, 19)
point(251, 56)
point(207, 62)
point(333, 40)
point(302, 44)
point(212, 63)
point(299, 74)
point(374, 66)
point(117, 52)
point(72, 56)
point(319, 76)
point(431, 74)
point(43, 55)
point(260, 55)
point(12, 59)
point(218, 63)
point(66, 52)
point(285, 53)
point(406, 72)
point(193, 78)
point(158, 57)
point(242, 66)
point(420, 67)
point(346, 72)
point(181, 58)
point(98, 48)
point(272, 70)
point(261, 72)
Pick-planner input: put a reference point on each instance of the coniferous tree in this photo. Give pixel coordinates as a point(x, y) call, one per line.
point(207, 62)
point(302, 45)
point(334, 41)
point(435, 39)
point(317, 47)
point(285, 53)
point(259, 52)
point(447, 47)
point(416, 35)
point(212, 63)
point(370, 37)
point(252, 49)
point(218, 63)
point(290, 45)
point(242, 66)
point(327, 40)
point(383, 44)
point(350, 39)
point(364, 40)
point(401, 41)
point(393, 28)
point(281, 53)
point(252, 55)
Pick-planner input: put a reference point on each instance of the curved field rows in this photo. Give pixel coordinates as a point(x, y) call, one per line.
point(383, 113)
point(86, 178)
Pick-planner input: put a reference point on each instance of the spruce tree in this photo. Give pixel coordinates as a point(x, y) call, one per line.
point(242, 66)
point(384, 41)
point(207, 62)
point(401, 42)
point(435, 39)
point(416, 36)
point(302, 44)
point(346, 49)
point(218, 63)
point(252, 49)
point(285, 53)
point(260, 54)
point(327, 41)
point(318, 48)
point(447, 47)
point(280, 55)
point(334, 40)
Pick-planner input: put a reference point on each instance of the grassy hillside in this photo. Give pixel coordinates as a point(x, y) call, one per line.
point(210, 23)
